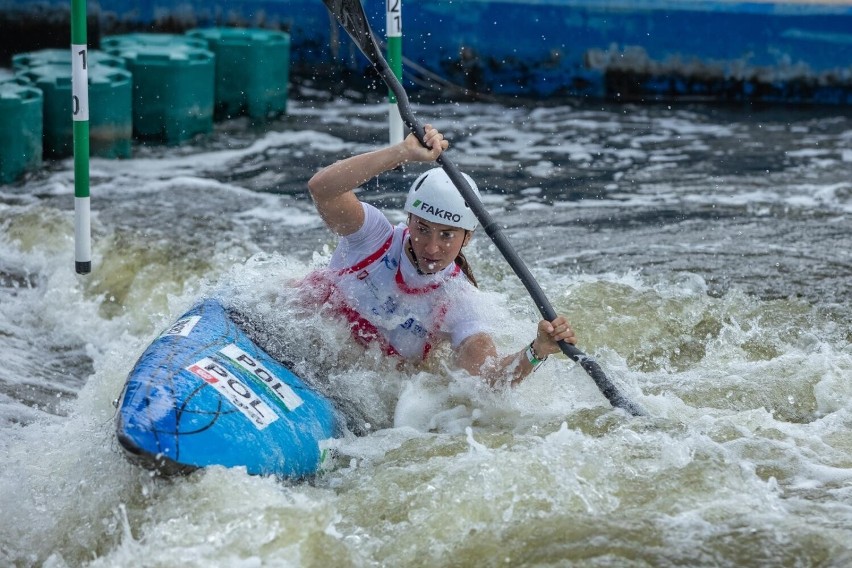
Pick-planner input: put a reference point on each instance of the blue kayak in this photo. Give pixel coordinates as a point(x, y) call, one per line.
point(204, 394)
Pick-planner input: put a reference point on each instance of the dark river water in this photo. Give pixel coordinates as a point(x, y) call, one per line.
point(704, 255)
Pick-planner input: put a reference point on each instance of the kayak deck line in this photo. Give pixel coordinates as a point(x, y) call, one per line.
point(203, 393)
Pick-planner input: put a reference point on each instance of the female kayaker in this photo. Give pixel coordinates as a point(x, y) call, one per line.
point(409, 287)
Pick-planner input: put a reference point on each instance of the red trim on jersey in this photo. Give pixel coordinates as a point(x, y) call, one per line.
point(436, 321)
point(363, 331)
point(400, 281)
point(370, 259)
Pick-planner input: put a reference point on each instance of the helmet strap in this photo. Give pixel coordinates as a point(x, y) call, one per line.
point(414, 258)
point(413, 255)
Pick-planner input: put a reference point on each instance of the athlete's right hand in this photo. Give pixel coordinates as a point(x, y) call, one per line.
point(435, 145)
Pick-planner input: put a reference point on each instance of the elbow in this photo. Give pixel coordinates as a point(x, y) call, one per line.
point(317, 186)
point(313, 186)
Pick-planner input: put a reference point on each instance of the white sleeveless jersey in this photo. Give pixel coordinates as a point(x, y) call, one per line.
point(372, 283)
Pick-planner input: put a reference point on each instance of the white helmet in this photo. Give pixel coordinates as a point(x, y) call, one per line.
point(434, 197)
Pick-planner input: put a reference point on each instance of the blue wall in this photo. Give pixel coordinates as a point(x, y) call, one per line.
point(621, 49)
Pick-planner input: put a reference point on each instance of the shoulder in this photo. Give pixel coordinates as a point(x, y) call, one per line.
point(376, 227)
point(372, 234)
point(464, 301)
point(469, 310)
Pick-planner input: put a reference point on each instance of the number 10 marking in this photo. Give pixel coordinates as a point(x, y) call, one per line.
point(79, 82)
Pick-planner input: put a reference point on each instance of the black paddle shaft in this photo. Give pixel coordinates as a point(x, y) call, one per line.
point(351, 16)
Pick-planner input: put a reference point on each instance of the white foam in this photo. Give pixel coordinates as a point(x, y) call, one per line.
point(749, 398)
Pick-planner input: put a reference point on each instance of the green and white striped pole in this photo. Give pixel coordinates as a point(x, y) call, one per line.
point(80, 115)
point(393, 11)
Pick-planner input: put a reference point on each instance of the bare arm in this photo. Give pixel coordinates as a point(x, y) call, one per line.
point(332, 188)
point(478, 355)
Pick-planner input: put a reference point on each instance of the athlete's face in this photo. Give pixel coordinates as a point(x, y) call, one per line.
point(435, 245)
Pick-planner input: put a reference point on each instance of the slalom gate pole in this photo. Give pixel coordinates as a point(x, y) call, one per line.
point(80, 116)
point(393, 31)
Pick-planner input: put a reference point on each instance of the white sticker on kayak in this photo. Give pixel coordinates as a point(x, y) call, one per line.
point(182, 326)
point(328, 453)
point(234, 391)
point(281, 389)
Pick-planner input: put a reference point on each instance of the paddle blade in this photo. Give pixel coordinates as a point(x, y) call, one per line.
point(351, 16)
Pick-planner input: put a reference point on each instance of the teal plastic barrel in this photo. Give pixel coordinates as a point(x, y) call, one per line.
point(252, 70)
point(24, 61)
point(173, 86)
point(113, 43)
point(21, 135)
point(110, 109)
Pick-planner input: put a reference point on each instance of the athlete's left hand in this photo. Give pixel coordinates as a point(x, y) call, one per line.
point(550, 333)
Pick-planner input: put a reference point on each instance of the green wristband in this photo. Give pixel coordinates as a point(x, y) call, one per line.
point(532, 357)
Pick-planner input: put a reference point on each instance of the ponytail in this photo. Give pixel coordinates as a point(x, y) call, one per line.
point(462, 263)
